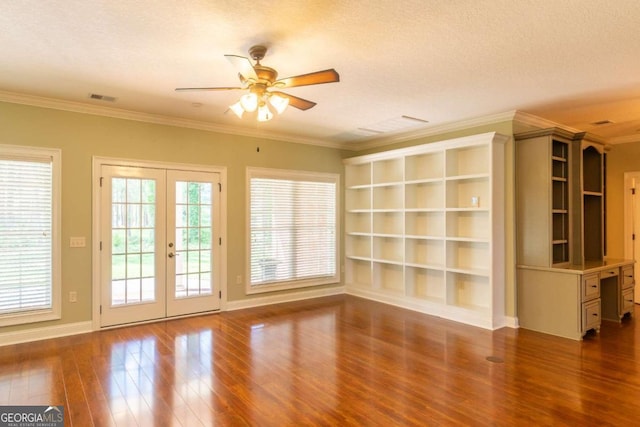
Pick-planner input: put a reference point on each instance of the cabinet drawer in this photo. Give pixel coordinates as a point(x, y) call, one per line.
point(627, 301)
point(627, 276)
point(609, 273)
point(590, 286)
point(591, 315)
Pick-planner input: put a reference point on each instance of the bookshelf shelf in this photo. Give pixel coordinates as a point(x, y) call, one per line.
point(425, 228)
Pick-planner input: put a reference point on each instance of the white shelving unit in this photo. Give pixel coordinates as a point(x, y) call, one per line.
point(424, 228)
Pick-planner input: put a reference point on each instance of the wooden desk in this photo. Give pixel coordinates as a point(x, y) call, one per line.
point(569, 301)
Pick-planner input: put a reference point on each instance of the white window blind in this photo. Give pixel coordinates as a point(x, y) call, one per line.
point(293, 228)
point(27, 273)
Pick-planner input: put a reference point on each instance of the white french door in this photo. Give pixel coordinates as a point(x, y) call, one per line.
point(160, 252)
point(192, 223)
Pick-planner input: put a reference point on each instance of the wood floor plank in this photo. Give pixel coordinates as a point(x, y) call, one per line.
point(334, 361)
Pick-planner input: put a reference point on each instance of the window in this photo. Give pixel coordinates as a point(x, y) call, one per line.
point(293, 224)
point(29, 234)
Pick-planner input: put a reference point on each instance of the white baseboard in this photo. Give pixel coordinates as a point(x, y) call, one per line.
point(512, 322)
point(280, 298)
point(454, 314)
point(37, 334)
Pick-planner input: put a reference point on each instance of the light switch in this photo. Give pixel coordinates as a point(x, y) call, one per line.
point(77, 242)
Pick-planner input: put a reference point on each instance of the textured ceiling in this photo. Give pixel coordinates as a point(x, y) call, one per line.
point(574, 62)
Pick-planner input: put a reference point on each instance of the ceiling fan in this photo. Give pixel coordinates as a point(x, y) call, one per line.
point(263, 84)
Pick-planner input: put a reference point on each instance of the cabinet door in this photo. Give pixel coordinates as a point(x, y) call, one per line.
point(591, 315)
point(627, 301)
point(590, 287)
point(627, 276)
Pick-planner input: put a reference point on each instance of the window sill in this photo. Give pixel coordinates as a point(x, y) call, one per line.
point(28, 317)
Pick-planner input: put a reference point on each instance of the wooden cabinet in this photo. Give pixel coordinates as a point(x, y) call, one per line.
point(545, 181)
point(559, 197)
point(569, 301)
point(591, 314)
point(565, 286)
point(424, 228)
point(627, 285)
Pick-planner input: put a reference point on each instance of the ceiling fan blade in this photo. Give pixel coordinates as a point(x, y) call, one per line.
point(294, 101)
point(319, 77)
point(180, 89)
point(244, 66)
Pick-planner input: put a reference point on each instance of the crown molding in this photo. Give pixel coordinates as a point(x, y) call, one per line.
point(433, 130)
point(518, 118)
point(624, 139)
point(98, 110)
point(531, 120)
point(526, 119)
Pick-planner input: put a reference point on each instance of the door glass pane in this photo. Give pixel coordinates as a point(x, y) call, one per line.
point(181, 239)
point(181, 192)
point(205, 282)
point(118, 237)
point(133, 240)
point(148, 240)
point(148, 216)
point(193, 239)
point(118, 190)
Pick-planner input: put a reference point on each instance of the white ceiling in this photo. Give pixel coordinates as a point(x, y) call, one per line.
point(574, 62)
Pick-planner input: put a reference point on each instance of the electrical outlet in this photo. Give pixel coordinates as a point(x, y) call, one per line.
point(77, 242)
point(73, 296)
point(238, 280)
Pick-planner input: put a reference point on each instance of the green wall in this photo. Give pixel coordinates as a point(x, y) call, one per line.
point(82, 136)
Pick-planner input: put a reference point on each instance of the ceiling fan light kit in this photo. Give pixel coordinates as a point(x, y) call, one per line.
point(261, 80)
point(252, 101)
point(249, 102)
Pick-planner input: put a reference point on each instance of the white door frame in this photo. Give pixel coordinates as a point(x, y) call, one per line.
point(631, 205)
point(97, 163)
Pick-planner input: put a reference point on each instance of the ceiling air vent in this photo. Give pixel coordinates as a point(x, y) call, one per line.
point(99, 97)
point(602, 122)
point(396, 124)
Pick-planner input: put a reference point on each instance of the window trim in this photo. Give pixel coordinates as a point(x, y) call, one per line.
point(54, 155)
point(257, 172)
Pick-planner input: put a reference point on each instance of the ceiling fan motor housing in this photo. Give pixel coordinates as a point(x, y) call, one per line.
point(258, 52)
point(266, 74)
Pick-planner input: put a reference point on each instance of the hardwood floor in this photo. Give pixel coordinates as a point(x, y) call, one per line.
point(332, 361)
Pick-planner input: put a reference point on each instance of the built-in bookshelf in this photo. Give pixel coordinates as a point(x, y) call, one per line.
point(424, 228)
point(593, 197)
point(560, 198)
point(565, 286)
point(560, 201)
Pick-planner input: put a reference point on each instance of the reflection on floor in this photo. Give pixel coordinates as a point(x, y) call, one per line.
point(331, 361)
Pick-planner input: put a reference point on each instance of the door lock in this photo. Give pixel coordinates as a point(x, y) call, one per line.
point(170, 255)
